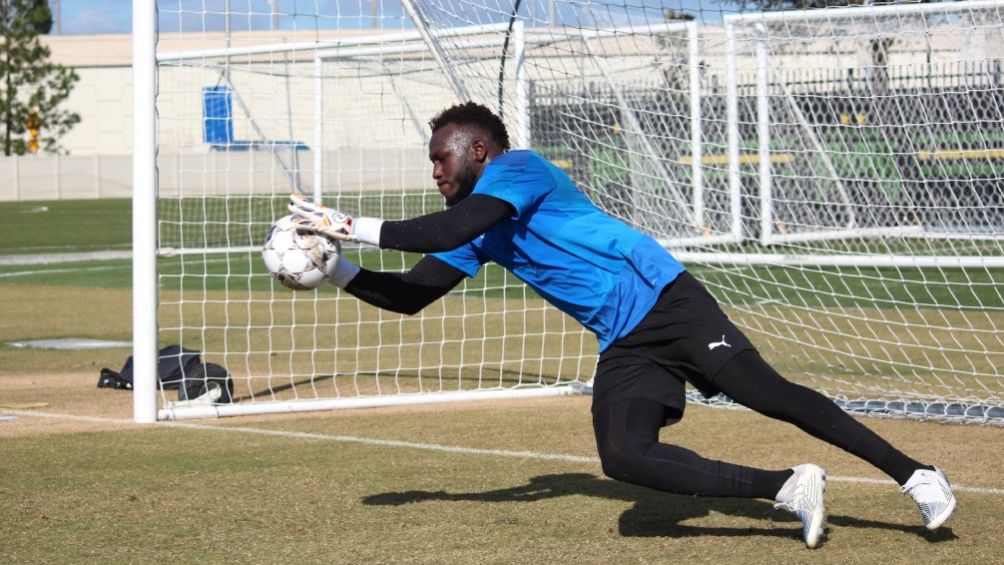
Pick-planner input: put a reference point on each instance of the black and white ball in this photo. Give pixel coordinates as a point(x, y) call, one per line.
point(298, 259)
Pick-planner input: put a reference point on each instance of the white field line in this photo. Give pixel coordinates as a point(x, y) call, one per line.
point(84, 269)
point(49, 271)
point(54, 258)
point(411, 445)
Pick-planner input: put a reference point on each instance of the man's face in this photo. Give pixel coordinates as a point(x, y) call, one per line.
point(457, 161)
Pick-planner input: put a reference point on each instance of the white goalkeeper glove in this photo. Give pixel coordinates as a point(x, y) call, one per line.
point(341, 272)
point(329, 222)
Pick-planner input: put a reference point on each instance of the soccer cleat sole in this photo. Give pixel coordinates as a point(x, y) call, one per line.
point(806, 501)
point(817, 527)
point(943, 516)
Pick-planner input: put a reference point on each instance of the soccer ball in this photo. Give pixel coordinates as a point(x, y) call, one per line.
point(298, 259)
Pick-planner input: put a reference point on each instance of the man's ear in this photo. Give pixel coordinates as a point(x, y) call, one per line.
point(479, 151)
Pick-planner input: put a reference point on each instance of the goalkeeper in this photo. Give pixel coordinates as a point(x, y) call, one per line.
point(656, 324)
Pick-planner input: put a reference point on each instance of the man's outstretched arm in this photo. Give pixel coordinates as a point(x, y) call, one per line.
point(440, 231)
point(405, 293)
point(446, 230)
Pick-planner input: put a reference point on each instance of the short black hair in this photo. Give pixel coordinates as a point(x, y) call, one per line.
point(474, 115)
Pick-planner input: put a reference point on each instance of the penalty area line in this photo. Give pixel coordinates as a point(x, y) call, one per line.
point(410, 444)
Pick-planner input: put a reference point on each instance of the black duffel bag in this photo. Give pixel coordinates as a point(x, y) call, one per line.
point(177, 368)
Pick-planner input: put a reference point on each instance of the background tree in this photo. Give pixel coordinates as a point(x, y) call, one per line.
point(31, 88)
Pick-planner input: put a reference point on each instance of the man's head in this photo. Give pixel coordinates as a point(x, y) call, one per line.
point(465, 138)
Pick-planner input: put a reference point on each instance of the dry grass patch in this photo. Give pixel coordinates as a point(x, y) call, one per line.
point(174, 493)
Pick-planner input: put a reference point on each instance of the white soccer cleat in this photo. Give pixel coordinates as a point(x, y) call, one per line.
point(933, 495)
point(802, 494)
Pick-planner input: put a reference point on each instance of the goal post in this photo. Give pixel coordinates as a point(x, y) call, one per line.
point(833, 176)
point(899, 41)
point(848, 191)
point(144, 213)
point(343, 118)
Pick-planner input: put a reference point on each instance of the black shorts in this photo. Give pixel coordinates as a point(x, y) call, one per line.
point(686, 337)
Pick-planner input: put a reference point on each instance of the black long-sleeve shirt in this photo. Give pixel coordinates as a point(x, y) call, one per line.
point(430, 278)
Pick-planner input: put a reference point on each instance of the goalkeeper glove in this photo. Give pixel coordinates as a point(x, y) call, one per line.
point(341, 272)
point(320, 219)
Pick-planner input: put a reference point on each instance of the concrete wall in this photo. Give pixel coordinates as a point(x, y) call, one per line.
point(213, 173)
point(55, 177)
point(374, 111)
point(374, 127)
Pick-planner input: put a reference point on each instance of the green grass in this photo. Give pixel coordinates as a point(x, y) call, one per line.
point(98, 225)
point(209, 222)
point(161, 494)
point(90, 490)
point(226, 304)
point(61, 226)
point(861, 288)
point(240, 271)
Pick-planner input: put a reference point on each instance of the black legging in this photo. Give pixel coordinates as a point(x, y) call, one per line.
point(627, 437)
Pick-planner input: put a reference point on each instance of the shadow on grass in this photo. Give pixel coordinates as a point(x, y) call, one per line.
point(275, 390)
point(654, 514)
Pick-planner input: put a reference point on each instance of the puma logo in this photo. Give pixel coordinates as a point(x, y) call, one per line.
point(715, 344)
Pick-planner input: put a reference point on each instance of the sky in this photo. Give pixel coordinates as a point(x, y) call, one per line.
point(115, 16)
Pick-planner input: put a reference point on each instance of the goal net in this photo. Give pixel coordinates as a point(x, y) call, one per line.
point(343, 118)
point(833, 176)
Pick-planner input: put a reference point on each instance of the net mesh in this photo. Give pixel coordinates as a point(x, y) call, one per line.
point(833, 176)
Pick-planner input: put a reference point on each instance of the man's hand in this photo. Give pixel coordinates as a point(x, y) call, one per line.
point(331, 223)
point(320, 219)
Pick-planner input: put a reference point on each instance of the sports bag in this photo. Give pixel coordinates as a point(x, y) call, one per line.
point(177, 368)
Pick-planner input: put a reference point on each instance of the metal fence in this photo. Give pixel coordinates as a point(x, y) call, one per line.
point(920, 141)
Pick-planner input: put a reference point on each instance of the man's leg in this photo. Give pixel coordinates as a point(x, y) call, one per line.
point(627, 438)
point(749, 380)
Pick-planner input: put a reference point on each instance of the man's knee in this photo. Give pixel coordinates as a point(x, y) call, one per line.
point(626, 434)
point(623, 460)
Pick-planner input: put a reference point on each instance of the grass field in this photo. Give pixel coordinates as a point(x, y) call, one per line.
point(499, 482)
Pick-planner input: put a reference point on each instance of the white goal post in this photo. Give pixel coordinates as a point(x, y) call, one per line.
point(249, 170)
point(769, 40)
point(833, 176)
